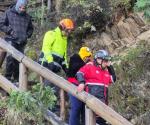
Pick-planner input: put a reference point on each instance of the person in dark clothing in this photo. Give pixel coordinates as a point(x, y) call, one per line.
point(17, 25)
point(77, 113)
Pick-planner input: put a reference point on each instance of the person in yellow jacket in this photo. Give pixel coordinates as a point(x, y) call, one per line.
point(54, 49)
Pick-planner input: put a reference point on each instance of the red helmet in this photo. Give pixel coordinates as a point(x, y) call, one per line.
point(67, 24)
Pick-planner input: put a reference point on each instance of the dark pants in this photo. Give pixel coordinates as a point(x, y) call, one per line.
point(77, 113)
point(101, 93)
point(101, 121)
point(12, 65)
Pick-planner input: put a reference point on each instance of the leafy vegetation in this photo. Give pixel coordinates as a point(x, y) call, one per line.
point(27, 107)
point(129, 70)
point(116, 3)
point(38, 12)
point(144, 6)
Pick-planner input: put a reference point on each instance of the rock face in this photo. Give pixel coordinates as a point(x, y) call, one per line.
point(119, 36)
point(131, 96)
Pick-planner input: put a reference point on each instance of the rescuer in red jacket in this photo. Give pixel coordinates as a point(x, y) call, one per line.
point(96, 76)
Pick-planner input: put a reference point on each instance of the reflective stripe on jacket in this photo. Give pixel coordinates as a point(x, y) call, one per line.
point(54, 44)
point(94, 74)
point(96, 79)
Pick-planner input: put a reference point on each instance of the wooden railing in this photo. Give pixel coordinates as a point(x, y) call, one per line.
point(95, 106)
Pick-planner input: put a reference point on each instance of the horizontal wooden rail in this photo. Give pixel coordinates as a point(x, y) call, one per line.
point(93, 103)
point(7, 85)
point(49, 116)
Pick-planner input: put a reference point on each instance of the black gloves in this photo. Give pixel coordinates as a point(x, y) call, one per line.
point(65, 68)
point(112, 72)
point(53, 67)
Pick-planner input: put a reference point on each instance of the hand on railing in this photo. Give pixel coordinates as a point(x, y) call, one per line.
point(80, 87)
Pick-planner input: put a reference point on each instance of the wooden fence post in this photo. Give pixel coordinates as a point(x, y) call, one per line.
point(90, 118)
point(2, 56)
point(23, 85)
point(62, 105)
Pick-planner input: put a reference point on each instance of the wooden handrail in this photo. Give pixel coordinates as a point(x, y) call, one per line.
point(93, 103)
point(7, 85)
point(49, 116)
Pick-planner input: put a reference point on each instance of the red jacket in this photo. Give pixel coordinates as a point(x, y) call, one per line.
point(73, 80)
point(94, 75)
point(96, 79)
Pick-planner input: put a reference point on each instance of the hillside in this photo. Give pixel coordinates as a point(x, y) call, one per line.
point(125, 34)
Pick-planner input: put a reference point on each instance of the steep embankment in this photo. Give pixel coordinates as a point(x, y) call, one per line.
point(129, 42)
point(119, 36)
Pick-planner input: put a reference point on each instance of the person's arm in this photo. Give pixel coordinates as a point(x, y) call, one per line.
point(47, 46)
point(30, 29)
point(80, 76)
point(112, 72)
point(4, 24)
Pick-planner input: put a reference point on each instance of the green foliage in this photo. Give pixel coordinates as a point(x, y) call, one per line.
point(84, 3)
point(45, 95)
point(143, 6)
point(130, 65)
point(20, 101)
point(31, 53)
point(30, 106)
point(37, 13)
point(129, 68)
point(116, 3)
point(132, 54)
point(32, 76)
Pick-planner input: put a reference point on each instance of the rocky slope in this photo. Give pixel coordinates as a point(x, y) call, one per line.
point(119, 36)
point(129, 40)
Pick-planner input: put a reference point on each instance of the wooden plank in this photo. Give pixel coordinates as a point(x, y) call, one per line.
point(2, 56)
point(62, 105)
point(23, 84)
point(93, 103)
point(90, 118)
point(54, 119)
point(51, 117)
point(7, 47)
point(7, 85)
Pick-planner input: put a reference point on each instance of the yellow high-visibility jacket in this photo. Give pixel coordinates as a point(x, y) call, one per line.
point(55, 43)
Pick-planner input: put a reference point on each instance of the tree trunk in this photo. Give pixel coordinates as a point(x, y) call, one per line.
point(42, 13)
point(58, 6)
point(49, 4)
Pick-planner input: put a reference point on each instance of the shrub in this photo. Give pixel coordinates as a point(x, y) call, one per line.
point(27, 107)
point(143, 6)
